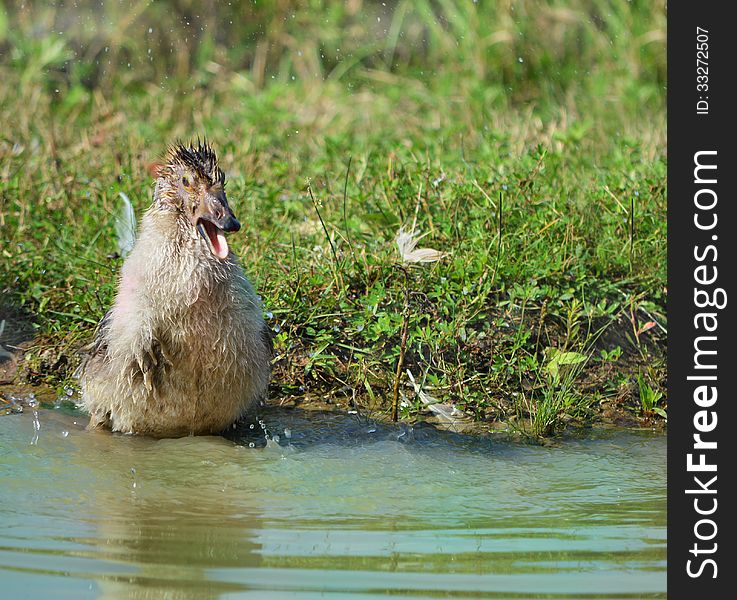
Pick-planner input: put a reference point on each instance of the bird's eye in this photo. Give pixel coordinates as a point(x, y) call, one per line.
point(185, 181)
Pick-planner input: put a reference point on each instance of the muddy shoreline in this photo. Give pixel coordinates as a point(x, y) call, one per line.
point(46, 377)
point(15, 398)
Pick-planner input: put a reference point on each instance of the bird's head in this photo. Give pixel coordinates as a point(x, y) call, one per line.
point(191, 184)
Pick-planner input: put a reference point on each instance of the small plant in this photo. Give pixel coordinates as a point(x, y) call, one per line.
point(649, 398)
point(610, 355)
point(559, 399)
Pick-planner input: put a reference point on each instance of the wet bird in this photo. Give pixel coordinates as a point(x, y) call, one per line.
point(184, 348)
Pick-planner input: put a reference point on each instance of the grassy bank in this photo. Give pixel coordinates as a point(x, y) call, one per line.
point(526, 140)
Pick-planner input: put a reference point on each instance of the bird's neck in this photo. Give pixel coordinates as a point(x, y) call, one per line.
point(175, 263)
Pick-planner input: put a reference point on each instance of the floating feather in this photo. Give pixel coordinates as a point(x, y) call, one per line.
point(445, 412)
point(406, 243)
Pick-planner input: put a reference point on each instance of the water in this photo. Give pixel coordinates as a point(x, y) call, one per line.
point(339, 508)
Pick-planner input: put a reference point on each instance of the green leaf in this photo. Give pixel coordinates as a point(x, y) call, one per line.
point(558, 359)
point(570, 358)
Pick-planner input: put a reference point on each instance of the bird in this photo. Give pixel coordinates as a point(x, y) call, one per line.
point(184, 349)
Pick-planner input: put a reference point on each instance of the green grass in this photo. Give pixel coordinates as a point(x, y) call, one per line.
point(526, 140)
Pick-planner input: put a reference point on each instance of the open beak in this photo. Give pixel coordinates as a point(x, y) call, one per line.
point(213, 220)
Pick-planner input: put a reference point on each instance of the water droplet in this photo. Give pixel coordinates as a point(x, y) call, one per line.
point(520, 60)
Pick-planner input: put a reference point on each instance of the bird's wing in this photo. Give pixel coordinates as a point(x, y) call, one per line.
point(97, 347)
point(267, 339)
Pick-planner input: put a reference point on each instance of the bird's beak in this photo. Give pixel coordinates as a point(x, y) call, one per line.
point(213, 219)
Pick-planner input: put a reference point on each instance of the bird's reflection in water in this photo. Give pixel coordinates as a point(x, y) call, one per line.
point(180, 517)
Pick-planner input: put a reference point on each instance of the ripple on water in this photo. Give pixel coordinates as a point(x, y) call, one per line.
point(339, 506)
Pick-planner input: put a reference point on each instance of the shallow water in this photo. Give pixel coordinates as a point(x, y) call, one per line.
point(338, 508)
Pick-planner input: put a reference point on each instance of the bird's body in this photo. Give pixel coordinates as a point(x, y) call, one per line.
point(184, 349)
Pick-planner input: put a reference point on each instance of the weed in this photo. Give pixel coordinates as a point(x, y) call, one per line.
point(649, 398)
